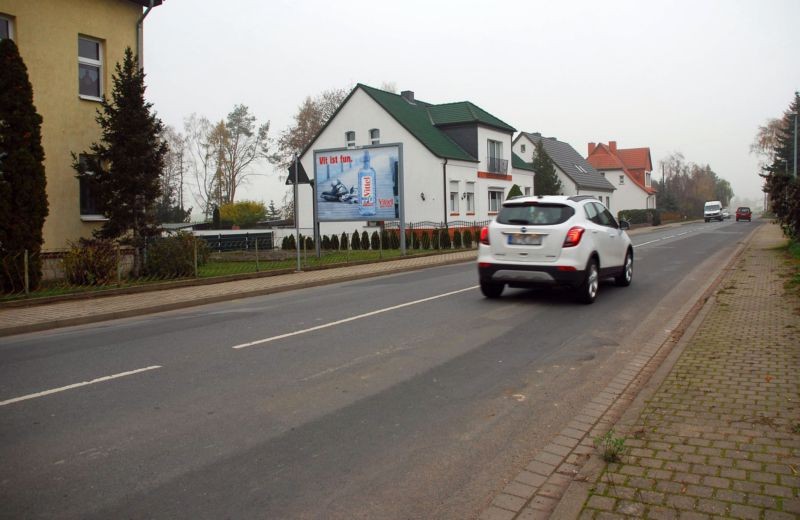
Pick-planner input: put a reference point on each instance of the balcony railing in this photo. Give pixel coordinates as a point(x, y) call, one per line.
point(497, 165)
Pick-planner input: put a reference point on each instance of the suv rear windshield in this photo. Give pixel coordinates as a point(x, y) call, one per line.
point(533, 213)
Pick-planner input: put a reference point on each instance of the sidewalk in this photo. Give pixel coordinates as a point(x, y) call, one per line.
point(721, 436)
point(715, 431)
point(18, 320)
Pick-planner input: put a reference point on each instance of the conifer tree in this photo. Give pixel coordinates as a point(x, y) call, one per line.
point(515, 191)
point(23, 199)
point(545, 180)
point(125, 165)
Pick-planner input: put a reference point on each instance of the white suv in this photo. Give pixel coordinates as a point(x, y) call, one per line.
point(554, 240)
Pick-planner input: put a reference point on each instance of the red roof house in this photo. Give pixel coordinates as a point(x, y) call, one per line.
point(629, 170)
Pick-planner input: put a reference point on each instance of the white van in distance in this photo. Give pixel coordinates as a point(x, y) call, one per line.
point(713, 210)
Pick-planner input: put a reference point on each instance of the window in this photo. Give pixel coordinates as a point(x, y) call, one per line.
point(522, 148)
point(374, 136)
point(647, 179)
point(608, 202)
point(495, 162)
point(526, 213)
point(454, 196)
point(88, 199)
point(528, 191)
point(621, 180)
point(495, 199)
point(90, 68)
point(6, 28)
point(470, 197)
point(350, 139)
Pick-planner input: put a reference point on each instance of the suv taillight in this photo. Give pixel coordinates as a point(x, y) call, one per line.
point(573, 237)
point(485, 236)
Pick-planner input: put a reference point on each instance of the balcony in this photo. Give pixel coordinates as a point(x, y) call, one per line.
point(497, 165)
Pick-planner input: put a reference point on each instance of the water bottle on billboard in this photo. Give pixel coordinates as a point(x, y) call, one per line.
point(367, 198)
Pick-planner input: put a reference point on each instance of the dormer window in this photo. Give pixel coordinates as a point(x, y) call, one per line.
point(374, 136)
point(350, 139)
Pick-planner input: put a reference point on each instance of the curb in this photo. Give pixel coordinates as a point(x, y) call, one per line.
point(556, 483)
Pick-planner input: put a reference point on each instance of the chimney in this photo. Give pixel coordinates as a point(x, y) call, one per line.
point(536, 134)
point(613, 146)
point(408, 95)
point(592, 146)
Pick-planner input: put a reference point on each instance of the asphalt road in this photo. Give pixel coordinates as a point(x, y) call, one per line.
point(405, 396)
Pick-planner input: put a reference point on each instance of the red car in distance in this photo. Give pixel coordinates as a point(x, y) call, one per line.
point(743, 213)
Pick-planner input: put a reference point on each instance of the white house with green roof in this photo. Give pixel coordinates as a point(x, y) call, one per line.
point(458, 164)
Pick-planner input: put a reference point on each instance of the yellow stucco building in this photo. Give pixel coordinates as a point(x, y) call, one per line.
point(70, 48)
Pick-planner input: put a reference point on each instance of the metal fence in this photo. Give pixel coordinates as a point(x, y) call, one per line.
point(96, 265)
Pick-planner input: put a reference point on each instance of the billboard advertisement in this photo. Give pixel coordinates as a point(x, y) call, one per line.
point(357, 184)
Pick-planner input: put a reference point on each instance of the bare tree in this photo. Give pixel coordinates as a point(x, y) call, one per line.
point(389, 86)
point(202, 160)
point(242, 143)
point(170, 206)
point(765, 143)
point(311, 116)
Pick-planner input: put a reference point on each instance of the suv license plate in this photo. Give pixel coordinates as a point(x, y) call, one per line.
point(519, 239)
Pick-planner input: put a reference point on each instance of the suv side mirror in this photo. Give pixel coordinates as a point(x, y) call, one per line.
point(624, 225)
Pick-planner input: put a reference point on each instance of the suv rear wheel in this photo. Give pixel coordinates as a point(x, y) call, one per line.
point(587, 291)
point(492, 290)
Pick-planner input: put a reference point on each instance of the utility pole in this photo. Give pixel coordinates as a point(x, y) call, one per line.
point(795, 145)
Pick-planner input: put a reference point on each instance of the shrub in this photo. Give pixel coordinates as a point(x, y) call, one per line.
point(457, 239)
point(409, 240)
point(90, 262)
point(386, 242)
point(355, 240)
point(395, 239)
point(335, 242)
point(344, 244)
point(326, 242)
point(435, 240)
point(641, 216)
point(375, 241)
point(426, 240)
point(285, 243)
point(173, 257)
point(309, 243)
point(291, 244)
point(467, 238)
point(365, 240)
point(444, 238)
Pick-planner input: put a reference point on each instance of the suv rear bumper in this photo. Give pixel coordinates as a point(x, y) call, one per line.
point(529, 275)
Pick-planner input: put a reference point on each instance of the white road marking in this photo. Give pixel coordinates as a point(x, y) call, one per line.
point(352, 318)
point(76, 385)
point(645, 243)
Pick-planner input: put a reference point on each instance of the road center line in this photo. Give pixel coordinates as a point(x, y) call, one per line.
point(645, 243)
point(352, 318)
point(77, 385)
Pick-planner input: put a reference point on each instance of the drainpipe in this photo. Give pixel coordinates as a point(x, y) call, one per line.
point(139, 35)
point(444, 190)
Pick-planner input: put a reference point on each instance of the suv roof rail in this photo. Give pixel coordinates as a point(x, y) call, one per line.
point(578, 198)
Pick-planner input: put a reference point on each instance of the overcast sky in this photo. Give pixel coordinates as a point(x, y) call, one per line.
point(692, 76)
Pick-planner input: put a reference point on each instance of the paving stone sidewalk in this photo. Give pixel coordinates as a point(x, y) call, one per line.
point(720, 438)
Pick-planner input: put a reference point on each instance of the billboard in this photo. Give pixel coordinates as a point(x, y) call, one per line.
point(358, 184)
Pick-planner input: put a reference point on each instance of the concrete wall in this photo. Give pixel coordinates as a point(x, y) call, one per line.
point(46, 32)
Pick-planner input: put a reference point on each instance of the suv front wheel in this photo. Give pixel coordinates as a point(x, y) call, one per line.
point(625, 278)
point(587, 291)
